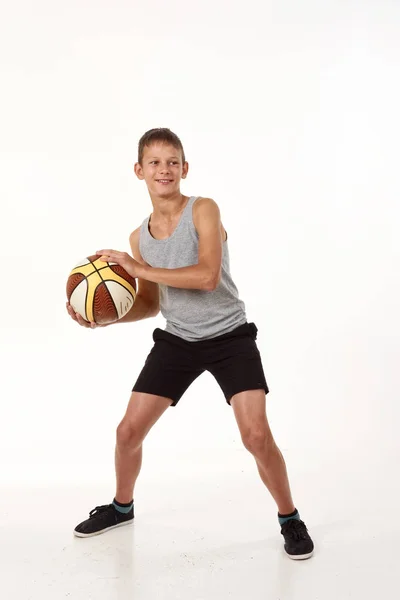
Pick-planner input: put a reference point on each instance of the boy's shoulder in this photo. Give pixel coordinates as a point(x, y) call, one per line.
point(205, 207)
point(134, 236)
point(203, 201)
point(203, 204)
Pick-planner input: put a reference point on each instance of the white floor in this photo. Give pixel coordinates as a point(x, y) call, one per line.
point(206, 529)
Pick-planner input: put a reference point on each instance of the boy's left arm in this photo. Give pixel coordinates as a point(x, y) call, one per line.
point(206, 274)
point(203, 276)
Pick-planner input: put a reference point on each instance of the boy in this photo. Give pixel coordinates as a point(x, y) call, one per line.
point(181, 263)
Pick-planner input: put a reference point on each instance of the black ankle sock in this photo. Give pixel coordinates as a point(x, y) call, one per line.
point(283, 518)
point(123, 508)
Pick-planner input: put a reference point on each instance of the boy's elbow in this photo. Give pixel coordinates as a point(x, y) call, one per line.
point(150, 306)
point(212, 282)
point(154, 309)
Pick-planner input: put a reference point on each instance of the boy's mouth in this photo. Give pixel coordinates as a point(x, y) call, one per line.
point(164, 181)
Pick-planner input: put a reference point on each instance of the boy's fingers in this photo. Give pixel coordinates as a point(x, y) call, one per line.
point(77, 317)
point(81, 321)
point(71, 312)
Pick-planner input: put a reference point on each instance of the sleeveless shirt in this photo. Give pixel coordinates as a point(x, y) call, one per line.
point(192, 314)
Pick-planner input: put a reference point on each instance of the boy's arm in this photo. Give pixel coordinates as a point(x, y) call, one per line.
point(207, 273)
point(147, 301)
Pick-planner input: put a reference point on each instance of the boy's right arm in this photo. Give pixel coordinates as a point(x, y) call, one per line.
point(147, 301)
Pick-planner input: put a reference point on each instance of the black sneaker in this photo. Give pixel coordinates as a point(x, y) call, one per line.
point(101, 519)
point(298, 544)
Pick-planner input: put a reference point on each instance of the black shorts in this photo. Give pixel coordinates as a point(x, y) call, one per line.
point(173, 363)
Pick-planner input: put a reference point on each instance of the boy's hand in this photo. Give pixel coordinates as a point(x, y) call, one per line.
point(77, 317)
point(131, 266)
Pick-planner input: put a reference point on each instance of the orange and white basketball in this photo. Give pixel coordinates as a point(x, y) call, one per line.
point(99, 291)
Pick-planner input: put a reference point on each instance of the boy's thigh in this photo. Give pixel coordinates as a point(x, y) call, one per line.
point(168, 371)
point(142, 412)
point(145, 409)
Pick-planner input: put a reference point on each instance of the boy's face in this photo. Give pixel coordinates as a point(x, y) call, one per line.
point(162, 169)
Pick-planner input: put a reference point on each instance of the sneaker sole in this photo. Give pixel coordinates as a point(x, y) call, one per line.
point(84, 535)
point(299, 556)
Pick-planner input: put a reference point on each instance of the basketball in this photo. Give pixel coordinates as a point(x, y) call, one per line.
point(101, 292)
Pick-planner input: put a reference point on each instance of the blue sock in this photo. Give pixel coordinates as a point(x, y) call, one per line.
point(122, 508)
point(284, 518)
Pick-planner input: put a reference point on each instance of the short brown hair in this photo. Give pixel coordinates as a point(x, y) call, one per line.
point(161, 134)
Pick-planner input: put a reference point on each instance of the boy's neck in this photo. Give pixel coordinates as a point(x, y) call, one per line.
point(168, 208)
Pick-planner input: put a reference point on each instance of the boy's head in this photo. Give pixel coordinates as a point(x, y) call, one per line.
point(160, 135)
point(161, 161)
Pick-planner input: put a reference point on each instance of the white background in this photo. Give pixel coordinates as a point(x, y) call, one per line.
point(288, 113)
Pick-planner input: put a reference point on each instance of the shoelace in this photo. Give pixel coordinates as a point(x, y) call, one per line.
point(295, 529)
point(98, 509)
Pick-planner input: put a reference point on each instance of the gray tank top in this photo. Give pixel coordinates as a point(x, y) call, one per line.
point(192, 314)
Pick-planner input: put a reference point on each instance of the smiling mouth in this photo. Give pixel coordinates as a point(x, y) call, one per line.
point(164, 181)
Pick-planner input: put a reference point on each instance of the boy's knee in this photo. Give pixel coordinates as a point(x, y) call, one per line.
point(257, 441)
point(128, 435)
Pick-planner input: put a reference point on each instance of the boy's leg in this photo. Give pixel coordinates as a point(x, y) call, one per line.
point(142, 413)
point(169, 370)
point(250, 412)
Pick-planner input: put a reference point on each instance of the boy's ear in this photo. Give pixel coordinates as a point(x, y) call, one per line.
point(138, 170)
point(185, 170)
